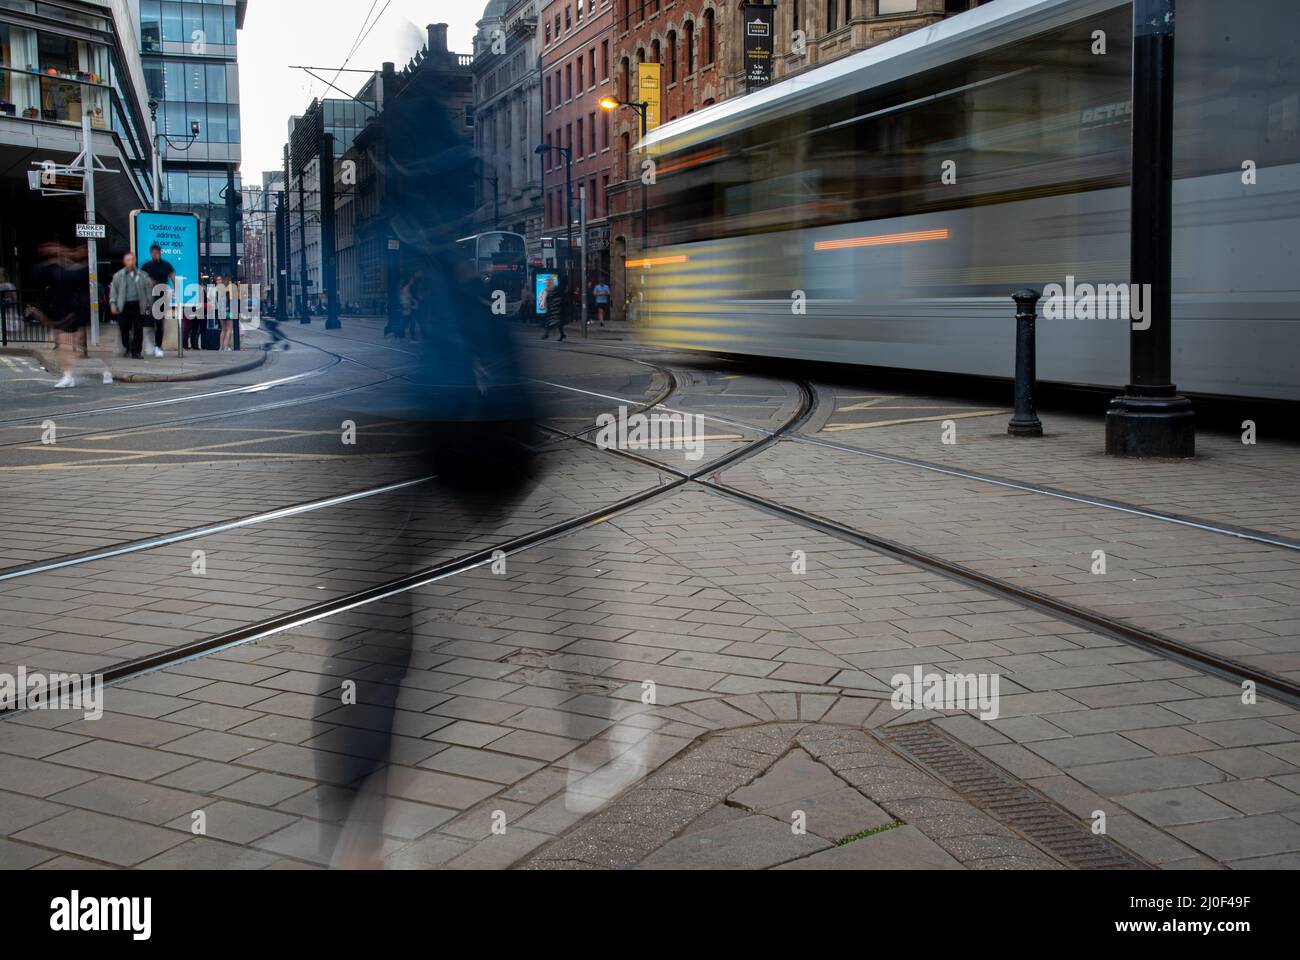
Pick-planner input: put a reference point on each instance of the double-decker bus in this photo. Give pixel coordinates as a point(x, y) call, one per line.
point(500, 260)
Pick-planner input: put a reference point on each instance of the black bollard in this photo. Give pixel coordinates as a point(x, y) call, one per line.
point(1025, 422)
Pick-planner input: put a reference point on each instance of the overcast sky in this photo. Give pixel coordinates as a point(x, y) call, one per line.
point(316, 33)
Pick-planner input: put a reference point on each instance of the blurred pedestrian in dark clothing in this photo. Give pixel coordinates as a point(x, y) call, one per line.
point(557, 309)
point(63, 285)
point(461, 393)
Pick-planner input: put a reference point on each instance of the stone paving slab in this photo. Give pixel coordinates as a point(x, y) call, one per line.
point(1256, 486)
point(558, 652)
point(1227, 596)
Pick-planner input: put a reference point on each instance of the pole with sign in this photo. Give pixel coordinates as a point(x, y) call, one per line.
point(92, 248)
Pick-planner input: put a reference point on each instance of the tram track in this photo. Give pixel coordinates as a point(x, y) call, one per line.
point(289, 510)
point(709, 476)
point(1268, 683)
point(130, 669)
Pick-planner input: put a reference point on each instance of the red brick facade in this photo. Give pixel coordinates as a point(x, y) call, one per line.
point(577, 70)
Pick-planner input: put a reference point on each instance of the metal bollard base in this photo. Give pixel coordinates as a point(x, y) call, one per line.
point(1025, 428)
point(1151, 426)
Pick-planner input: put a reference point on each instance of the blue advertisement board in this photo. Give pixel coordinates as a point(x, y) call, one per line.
point(178, 236)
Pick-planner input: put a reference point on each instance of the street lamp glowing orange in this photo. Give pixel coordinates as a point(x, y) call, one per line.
point(610, 103)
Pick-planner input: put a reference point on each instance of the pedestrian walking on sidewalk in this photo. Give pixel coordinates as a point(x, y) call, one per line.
point(225, 298)
point(601, 293)
point(63, 282)
point(162, 274)
point(128, 299)
point(557, 308)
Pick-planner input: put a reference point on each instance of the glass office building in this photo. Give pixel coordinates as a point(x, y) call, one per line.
point(190, 50)
point(63, 62)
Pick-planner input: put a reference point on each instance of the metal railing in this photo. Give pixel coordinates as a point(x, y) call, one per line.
point(17, 327)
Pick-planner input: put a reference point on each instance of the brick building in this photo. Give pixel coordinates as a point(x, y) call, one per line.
point(577, 70)
point(699, 45)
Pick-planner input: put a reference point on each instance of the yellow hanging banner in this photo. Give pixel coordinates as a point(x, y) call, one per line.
point(647, 78)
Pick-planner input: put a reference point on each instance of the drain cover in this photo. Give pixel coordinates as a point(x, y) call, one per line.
point(1008, 800)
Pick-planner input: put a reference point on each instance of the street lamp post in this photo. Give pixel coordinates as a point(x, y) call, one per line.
point(1151, 419)
point(160, 138)
point(544, 148)
point(642, 109)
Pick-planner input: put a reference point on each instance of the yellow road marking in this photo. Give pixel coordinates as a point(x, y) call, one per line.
point(864, 405)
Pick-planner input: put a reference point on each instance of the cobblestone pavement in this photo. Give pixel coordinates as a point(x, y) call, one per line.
point(676, 684)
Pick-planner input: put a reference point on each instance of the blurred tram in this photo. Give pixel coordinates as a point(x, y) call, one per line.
point(881, 209)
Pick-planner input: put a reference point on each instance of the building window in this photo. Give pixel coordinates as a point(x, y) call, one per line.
point(604, 58)
point(568, 82)
point(604, 130)
point(568, 19)
point(672, 56)
point(832, 14)
point(591, 60)
point(549, 150)
point(548, 91)
point(709, 38)
point(591, 125)
point(796, 21)
point(627, 156)
point(579, 76)
point(548, 34)
point(581, 142)
point(627, 80)
point(655, 55)
point(568, 137)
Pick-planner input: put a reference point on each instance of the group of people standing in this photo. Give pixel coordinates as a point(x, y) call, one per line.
point(134, 297)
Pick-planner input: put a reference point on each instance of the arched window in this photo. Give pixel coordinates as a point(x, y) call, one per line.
point(832, 15)
point(709, 38)
point(655, 55)
point(672, 56)
point(640, 54)
point(690, 47)
point(627, 80)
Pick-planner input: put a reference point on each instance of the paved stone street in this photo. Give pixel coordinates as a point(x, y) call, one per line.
point(653, 672)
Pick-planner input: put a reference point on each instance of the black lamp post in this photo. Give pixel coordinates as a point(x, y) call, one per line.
point(642, 108)
point(1151, 419)
point(545, 148)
